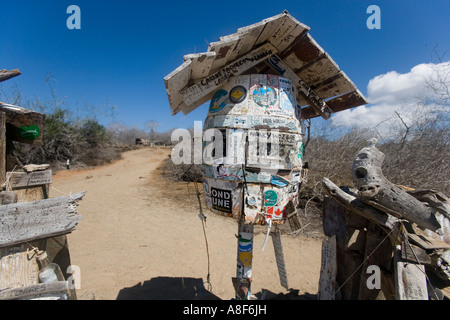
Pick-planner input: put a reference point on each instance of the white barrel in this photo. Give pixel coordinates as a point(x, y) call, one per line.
point(252, 151)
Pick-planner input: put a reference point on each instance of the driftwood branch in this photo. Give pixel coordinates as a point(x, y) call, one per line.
point(357, 206)
point(5, 74)
point(26, 221)
point(376, 190)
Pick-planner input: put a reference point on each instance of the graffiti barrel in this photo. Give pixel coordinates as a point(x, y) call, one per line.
point(252, 149)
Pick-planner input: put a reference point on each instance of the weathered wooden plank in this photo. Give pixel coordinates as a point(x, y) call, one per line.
point(303, 50)
point(328, 270)
point(410, 279)
point(270, 26)
point(17, 267)
point(8, 74)
point(288, 39)
point(303, 90)
point(209, 84)
point(24, 179)
point(47, 218)
point(334, 86)
point(7, 197)
point(248, 36)
point(58, 290)
point(415, 254)
point(200, 64)
point(175, 81)
point(285, 35)
point(427, 243)
point(223, 50)
point(377, 253)
point(279, 257)
point(2, 149)
point(346, 101)
point(319, 70)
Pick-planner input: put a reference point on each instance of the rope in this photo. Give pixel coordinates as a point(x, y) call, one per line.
point(203, 219)
point(368, 256)
point(401, 231)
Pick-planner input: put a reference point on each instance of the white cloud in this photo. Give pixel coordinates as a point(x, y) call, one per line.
point(408, 94)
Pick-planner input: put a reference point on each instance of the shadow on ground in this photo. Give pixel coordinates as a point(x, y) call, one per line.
point(168, 288)
point(180, 288)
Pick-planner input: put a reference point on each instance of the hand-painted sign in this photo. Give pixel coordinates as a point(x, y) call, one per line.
point(217, 79)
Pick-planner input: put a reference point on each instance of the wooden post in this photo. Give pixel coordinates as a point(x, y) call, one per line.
point(244, 261)
point(328, 270)
point(2, 149)
point(410, 279)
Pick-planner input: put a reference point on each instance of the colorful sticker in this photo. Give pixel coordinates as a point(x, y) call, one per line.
point(238, 94)
point(221, 200)
point(270, 198)
point(219, 101)
point(264, 96)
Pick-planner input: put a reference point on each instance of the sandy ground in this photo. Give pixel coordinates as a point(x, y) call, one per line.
point(141, 238)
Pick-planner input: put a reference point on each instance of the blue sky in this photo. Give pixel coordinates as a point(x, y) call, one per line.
point(125, 48)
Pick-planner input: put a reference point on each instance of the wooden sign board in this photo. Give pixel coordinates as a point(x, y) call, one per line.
point(23, 179)
point(295, 47)
point(217, 79)
point(27, 221)
point(58, 290)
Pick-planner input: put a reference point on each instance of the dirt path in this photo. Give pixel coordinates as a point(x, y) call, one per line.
point(141, 238)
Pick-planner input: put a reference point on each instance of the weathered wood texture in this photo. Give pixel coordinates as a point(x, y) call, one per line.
point(18, 267)
point(43, 291)
point(357, 206)
point(376, 190)
point(410, 279)
point(23, 125)
point(40, 219)
point(8, 74)
point(328, 270)
point(293, 45)
point(29, 179)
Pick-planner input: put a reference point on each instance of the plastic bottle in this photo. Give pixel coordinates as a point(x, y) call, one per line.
point(49, 272)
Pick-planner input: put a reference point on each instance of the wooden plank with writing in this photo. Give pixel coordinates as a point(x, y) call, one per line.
point(24, 179)
point(47, 218)
point(17, 267)
point(58, 290)
point(205, 87)
point(328, 271)
point(410, 278)
point(223, 49)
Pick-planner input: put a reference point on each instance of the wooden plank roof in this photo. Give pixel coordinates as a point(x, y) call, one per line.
point(279, 45)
